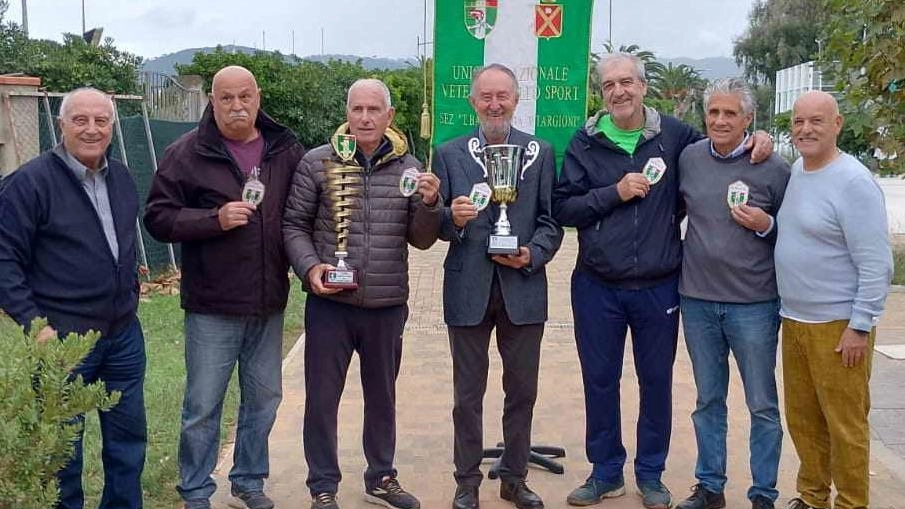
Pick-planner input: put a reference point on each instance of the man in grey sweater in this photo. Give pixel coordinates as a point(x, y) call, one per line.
point(833, 268)
point(728, 291)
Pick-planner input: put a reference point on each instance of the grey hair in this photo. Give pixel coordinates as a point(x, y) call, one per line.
point(732, 86)
point(65, 104)
point(608, 59)
point(496, 67)
point(364, 82)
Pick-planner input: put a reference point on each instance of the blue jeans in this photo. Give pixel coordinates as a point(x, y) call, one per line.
point(213, 345)
point(603, 314)
point(118, 360)
point(749, 331)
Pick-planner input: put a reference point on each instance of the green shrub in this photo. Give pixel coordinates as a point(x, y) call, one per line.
point(39, 400)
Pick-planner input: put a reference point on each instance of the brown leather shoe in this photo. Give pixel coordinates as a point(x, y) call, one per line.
point(520, 494)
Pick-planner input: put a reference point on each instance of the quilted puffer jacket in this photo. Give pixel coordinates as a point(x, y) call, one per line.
point(383, 222)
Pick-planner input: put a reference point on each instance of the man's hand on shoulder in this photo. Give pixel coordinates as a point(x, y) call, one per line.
point(761, 146)
point(234, 214)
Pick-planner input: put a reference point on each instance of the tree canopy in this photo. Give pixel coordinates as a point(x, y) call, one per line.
point(69, 65)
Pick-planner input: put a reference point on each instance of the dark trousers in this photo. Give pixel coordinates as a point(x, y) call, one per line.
point(519, 347)
point(118, 360)
point(602, 316)
point(333, 331)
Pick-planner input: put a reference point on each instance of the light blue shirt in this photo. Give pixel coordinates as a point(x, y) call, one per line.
point(94, 182)
point(833, 257)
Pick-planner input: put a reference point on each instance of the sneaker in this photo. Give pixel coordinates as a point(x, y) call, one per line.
point(654, 495)
point(250, 500)
point(761, 502)
point(197, 503)
point(389, 493)
point(324, 501)
point(797, 503)
point(702, 498)
point(593, 491)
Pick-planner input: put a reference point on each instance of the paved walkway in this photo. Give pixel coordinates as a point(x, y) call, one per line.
point(424, 451)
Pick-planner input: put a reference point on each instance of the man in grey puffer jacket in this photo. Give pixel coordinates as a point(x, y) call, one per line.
point(368, 319)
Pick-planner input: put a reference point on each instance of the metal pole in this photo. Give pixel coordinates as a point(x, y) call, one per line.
point(138, 234)
point(611, 23)
point(53, 131)
point(25, 18)
point(83, 16)
point(153, 151)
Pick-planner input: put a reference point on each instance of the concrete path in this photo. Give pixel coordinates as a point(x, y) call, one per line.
point(424, 445)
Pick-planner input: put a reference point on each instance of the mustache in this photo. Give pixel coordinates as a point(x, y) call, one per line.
point(241, 114)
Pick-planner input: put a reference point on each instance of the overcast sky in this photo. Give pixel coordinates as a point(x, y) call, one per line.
point(385, 28)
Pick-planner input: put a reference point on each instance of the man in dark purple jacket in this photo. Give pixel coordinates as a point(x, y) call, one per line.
point(220, 191)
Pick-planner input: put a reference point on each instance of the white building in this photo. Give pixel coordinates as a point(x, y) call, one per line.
point(791, 82)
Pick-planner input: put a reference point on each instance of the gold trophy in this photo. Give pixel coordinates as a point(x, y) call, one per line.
point(504, 167)
point(343, 184)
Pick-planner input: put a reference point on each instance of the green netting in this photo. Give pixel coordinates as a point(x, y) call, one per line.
point(139, 159)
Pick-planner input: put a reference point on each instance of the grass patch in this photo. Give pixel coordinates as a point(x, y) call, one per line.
point(898, 257)
point(162, 320)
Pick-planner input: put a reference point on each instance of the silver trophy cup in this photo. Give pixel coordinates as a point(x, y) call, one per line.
point(504, 167)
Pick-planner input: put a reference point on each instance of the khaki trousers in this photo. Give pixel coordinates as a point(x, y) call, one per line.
point(826, 407)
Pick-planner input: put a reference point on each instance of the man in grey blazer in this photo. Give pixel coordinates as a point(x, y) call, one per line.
point(506, 292)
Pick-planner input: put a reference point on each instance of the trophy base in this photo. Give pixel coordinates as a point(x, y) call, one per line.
point(503, 245)
point(345, 279)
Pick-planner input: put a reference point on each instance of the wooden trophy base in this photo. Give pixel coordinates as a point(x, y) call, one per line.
point(344, 279)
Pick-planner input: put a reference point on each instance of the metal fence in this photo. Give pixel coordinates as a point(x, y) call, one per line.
point(178, 99)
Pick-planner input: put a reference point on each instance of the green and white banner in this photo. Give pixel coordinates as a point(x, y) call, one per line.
point(545, 42)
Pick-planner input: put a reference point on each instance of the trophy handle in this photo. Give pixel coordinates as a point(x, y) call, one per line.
point(474, 148)
point(532, 152)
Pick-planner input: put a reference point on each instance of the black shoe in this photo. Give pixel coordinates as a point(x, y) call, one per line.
point(389, 493)
point(466, 497)
point(520, 494)
point(324, 501)
point(702, 499)
point(761, 502)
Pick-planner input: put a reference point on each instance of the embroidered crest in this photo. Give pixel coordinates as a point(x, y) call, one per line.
point(548, 20)
point(480, 17)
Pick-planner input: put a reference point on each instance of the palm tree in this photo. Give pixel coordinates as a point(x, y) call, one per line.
point(681, 84)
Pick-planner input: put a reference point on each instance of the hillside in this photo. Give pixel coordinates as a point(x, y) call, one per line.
point(166, 63)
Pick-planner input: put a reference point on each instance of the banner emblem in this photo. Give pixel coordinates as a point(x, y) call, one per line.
point(548, 20)
point(480, 17)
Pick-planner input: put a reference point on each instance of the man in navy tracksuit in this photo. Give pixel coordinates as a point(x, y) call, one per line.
point(67, 253)
point(620, 188)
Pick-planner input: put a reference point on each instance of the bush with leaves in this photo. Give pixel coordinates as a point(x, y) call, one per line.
point(38, 409)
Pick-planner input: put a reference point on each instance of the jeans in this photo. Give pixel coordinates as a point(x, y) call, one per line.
point(749, 332)
point(213, 345)
point(118, 360)
point(603, 314)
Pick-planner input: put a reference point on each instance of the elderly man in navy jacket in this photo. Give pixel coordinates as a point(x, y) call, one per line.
point(67, 253)
point(620, 188)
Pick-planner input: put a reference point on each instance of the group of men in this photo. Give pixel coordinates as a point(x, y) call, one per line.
point(67, 252)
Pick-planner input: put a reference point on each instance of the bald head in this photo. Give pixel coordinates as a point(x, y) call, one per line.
point(235, 99)
point(816, 124)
